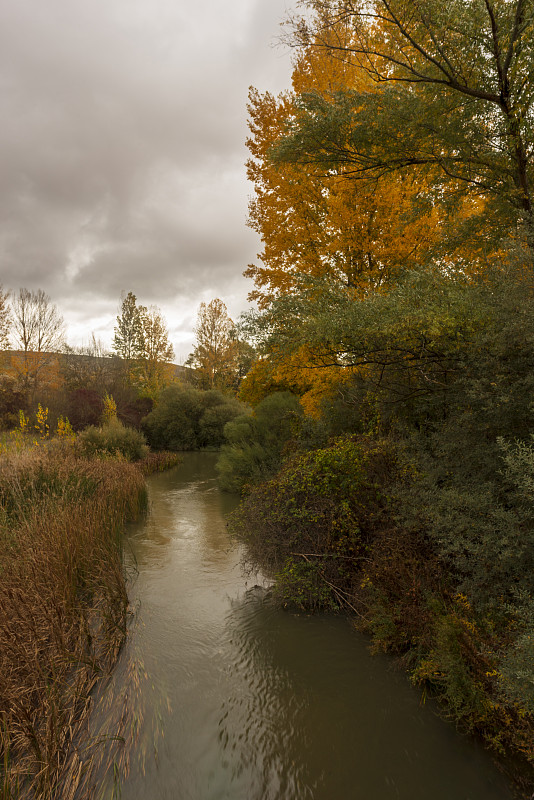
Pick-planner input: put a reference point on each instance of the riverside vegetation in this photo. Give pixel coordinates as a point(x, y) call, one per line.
point(406, 498)
point(63, 601)
point(395, 292)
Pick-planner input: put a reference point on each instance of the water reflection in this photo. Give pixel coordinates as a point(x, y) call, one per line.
point(263, 704)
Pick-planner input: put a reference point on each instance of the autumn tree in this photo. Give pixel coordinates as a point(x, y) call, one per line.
point(454, 106)
point(128, 335)
point(142, 341)
point(310, 223)
point(157, 351)
point(313, 222)
point(215, 354)
point(38, 333)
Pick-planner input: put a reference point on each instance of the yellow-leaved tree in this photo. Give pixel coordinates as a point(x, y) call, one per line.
point(215, 356)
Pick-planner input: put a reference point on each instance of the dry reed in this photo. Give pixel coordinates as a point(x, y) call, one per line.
point(63, 612)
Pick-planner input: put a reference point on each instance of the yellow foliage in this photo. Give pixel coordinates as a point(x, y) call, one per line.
point(64, 429)
point(361, 233)
point(110, 408)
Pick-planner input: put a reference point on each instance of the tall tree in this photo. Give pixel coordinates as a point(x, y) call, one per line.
point(320, 222)
point(216, 352)
point(157, 351)
point(456, 102)
point(128, 338)
point(142, 341)
point(37, 324)
point(38, 332)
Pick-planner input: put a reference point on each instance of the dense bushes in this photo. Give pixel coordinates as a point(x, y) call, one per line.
point(113, 438)
point(255, 443)
point(188, 419)
point(439, 565)
point(312, 525)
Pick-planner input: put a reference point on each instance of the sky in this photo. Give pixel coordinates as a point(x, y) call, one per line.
point(122, 153)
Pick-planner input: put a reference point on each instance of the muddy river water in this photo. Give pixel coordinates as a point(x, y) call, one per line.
point(245, 701)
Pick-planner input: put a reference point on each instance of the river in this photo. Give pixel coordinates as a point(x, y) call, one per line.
point(248, 702)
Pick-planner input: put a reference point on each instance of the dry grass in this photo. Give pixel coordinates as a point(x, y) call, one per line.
point(63, 612)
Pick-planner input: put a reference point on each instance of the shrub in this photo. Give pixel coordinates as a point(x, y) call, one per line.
point(114, 439)
point(312, 524)
point(188, 419)
point(84, 407)
point(255, 444)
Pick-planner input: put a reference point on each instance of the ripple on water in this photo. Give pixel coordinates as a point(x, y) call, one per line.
point(267, 705)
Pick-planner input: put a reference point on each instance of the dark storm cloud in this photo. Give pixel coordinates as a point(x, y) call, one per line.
point(122, 149)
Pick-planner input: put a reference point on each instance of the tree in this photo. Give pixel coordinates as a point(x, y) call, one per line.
point(215, 352)
point(142, 341)
point(89, 367)
point(187, 418)
point(37, 323)
point(317, 223)
point(38, 331)
point(5, 319)
point(128, 338)
point(456, 101)
point(156, 351)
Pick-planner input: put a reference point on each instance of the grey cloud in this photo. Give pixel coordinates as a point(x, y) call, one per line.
point(122, 149)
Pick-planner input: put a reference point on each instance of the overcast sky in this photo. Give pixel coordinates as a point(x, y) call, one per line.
point(122, 152)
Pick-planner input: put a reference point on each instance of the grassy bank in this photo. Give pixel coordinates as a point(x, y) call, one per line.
point(63, 609)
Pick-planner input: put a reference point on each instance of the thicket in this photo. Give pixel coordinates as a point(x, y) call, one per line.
point(186, 418)
point(254, 446)
point(420, 518)
point(113, 438)
point(63, 610)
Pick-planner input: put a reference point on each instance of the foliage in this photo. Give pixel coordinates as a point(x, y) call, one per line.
point(128, 337)
point(37, 331)
point(322, 224)
point(255, 443)
point(110, 408)
point(142, 341)
point(313, 524)
point(65, 430)
point(63, 608)
point(113, 439)
point(439, 371)
point(11, 400)
point(215, 356)
point(455, 105)
point(41, 422)
point(187, 418)
point(84, 407)
point(157, 352)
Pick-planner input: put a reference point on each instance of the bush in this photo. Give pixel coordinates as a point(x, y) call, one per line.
point(84, 407)
point(255, 444)
point(115, 439)
point(189, 419)
point(312, 524)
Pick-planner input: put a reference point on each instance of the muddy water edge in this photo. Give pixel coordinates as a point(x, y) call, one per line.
point(239, 699)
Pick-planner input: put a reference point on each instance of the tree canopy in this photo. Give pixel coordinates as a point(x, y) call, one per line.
point(456, 97)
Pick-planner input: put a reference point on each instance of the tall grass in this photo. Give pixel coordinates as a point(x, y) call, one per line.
point(63, 611)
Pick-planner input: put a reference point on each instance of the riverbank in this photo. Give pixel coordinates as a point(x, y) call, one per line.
point(240, 699)
point(63, 607)
point(344, 528)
